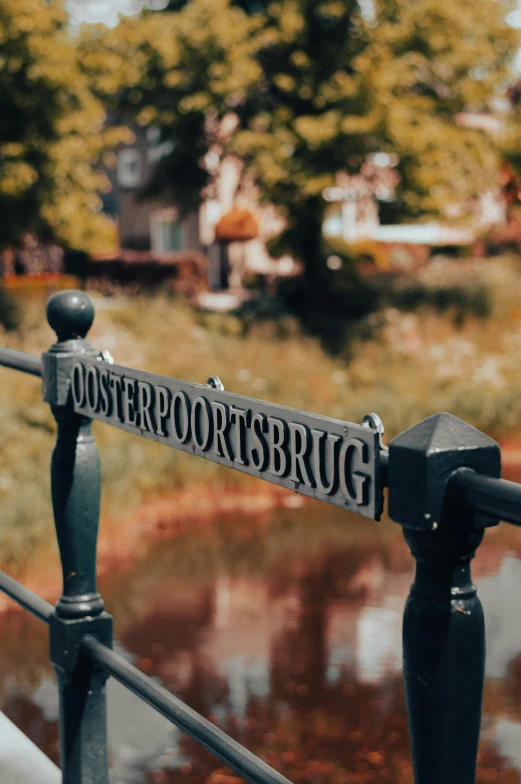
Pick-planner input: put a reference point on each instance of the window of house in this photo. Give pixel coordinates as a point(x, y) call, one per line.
point(167, 234)
point(156, 148)
point(129, 168)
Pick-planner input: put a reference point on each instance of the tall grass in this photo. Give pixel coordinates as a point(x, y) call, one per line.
point(404, 366)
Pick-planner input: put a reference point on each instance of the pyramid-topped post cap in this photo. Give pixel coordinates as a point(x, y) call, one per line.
point(422, 460)
point(70, 314)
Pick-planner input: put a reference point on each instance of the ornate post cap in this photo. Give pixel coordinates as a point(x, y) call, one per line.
point(70, 314)
point(422, 460)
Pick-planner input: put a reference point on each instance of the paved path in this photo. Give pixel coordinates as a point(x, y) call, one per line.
point(21, 762)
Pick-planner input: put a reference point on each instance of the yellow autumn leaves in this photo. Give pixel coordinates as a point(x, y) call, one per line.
point(313, 85)
point(51, 131)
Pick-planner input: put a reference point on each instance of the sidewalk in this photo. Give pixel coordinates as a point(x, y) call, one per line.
point(21, 762)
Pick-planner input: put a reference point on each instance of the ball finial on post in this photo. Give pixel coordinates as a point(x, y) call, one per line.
point(70, 314)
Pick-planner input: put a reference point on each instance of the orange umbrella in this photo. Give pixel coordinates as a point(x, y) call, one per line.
point(237, 225)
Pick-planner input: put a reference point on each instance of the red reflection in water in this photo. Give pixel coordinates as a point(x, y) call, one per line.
point(289, 642)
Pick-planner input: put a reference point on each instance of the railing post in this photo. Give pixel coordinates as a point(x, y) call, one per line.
point(443, 628)
point(76, 489)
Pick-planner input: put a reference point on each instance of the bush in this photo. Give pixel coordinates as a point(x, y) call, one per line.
point(9, 311)
point(359, 252)
point(462, 300)
point(330, 308)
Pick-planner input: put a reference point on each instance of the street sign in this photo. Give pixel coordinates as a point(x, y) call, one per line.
point(327, 459)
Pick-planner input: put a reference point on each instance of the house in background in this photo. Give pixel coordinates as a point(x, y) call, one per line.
point(353, 214)
point(152, 229)
point(162, 235)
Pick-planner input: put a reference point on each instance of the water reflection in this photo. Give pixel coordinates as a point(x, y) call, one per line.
point(286, 631)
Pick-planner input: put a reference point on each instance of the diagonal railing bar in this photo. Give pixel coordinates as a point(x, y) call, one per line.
point(26, 598)
point(20, 360)
point(213, 739)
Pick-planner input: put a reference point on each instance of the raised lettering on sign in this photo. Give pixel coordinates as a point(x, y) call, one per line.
point(324, 458)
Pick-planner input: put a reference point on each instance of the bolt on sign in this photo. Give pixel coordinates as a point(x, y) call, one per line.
point(327, 459)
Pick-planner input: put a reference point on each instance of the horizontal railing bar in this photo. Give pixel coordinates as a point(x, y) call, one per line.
point(498, 497)
point(204, 732)
point(20, 360)
point(26, 598)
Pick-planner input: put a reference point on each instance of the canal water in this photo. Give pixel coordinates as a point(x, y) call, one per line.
point(285, 630)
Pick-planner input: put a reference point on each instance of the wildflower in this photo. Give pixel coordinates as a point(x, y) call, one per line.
point(489, 372)
point(338, 377)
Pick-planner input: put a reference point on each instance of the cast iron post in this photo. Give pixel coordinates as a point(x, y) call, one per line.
point(76, 488)
point(443, 628)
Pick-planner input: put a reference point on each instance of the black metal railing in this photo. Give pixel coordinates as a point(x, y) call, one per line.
point(444, 488)
point(204, 732)
point(19, 360)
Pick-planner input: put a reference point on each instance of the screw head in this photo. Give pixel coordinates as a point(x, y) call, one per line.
point(70, 314)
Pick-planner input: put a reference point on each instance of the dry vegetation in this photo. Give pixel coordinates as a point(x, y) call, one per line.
point(413, 365)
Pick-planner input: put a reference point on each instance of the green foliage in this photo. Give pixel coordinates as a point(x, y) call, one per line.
point(310, 115)
point(183, 72)
point(354, 253)
point(460, 299)
point(50, 131)
point(299, 90)
point(426, 62)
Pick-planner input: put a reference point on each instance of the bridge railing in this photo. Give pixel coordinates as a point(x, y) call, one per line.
point(444, 488)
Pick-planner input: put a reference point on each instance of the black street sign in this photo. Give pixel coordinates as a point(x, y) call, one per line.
point(326, 459)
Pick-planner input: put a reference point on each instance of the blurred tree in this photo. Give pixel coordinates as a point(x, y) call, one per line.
point(299, 90)
point(183, 72)
point(428, 62)
point(310, 118)
point(272, 88)
point(50, 132)
point(510, 178)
